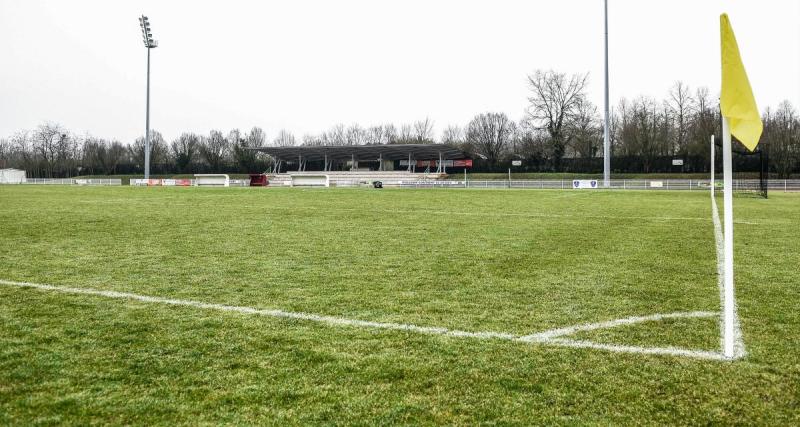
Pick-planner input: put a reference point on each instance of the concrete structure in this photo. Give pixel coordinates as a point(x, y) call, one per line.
point(212, 180)
point(12, 176)
point(431, 158)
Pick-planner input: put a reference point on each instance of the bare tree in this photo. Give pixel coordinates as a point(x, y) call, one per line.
point(681, 106)
point(555, 101)
point(22, 146)
point(406, 135)
point(68, 151)
point(390, 133)
point(423, 131)
point(453, 135)
point(5, 152)
point(46, 142)
point(375, 135)
point(284, 139)
point(115, 154)
point(336, 136)
point(489, 134)
point(246, 158)
point(256, 137)
point(585, 131)
point(100, 155)
point(158, 150)
point(704, 122)
point(531, 143)
point(644, 130)
point(234, 137)
point(215, 149)
point(310, 140)
point(355, 135)
point(184, 151)
point(92, 154)
point(782, 134)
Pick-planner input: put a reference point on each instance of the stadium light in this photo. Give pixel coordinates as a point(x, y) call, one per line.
point(149, 43)
point(607, 124)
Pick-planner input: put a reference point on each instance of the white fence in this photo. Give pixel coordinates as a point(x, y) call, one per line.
point(785, 185)
point(182, 183)
point(780, 185)
point(71, 181)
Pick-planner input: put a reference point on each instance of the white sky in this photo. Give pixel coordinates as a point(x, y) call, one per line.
point(305, 65)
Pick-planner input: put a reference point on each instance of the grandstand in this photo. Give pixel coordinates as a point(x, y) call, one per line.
point(392, 164)
point(350, 179)
point(385, 157)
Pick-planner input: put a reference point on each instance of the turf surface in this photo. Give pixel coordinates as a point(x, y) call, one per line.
point(477, 260)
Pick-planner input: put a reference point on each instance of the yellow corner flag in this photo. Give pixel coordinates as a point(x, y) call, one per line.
point(737, 101)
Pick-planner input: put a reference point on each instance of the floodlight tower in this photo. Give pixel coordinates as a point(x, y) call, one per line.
point(149, 43)
point(607, 121)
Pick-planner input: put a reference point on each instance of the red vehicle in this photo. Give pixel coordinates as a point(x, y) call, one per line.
point(258, 180)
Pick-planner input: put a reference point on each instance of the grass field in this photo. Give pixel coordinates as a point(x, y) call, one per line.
point(506, 261)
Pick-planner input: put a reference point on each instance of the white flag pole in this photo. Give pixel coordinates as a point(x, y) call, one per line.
point(728, 301)
point(713, 160)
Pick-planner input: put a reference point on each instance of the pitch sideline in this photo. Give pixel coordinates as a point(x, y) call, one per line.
point(554, 337)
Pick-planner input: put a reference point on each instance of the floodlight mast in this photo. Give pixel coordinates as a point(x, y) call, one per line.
point(149, 43)
point(607, 124)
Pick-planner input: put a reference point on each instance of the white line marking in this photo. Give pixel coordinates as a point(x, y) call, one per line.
point(561, 332)
point(330, 320)
point(672, 351)
point(551, 337)
point(738, 345)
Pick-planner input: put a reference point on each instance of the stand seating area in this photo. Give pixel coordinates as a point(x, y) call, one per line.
point(356, 178)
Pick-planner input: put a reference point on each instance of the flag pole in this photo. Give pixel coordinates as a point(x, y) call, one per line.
point(728, 299)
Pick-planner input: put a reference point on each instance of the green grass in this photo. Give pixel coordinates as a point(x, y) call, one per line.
point(479, 260)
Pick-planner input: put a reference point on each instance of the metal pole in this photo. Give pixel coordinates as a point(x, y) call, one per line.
point(712, 166)
point(728, 300)
point(607, 125)
point(147, 124)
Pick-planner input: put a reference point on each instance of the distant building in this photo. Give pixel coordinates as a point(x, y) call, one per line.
point(12, 176)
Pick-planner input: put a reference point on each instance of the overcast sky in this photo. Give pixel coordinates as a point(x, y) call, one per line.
point(305, 65)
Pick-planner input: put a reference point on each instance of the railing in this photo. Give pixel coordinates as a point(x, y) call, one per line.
point(170, 182)
point(72, 181)
point(786, 185)
point(780, 185)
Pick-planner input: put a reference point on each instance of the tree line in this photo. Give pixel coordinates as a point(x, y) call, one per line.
point(52, 151)
point(560, 131)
